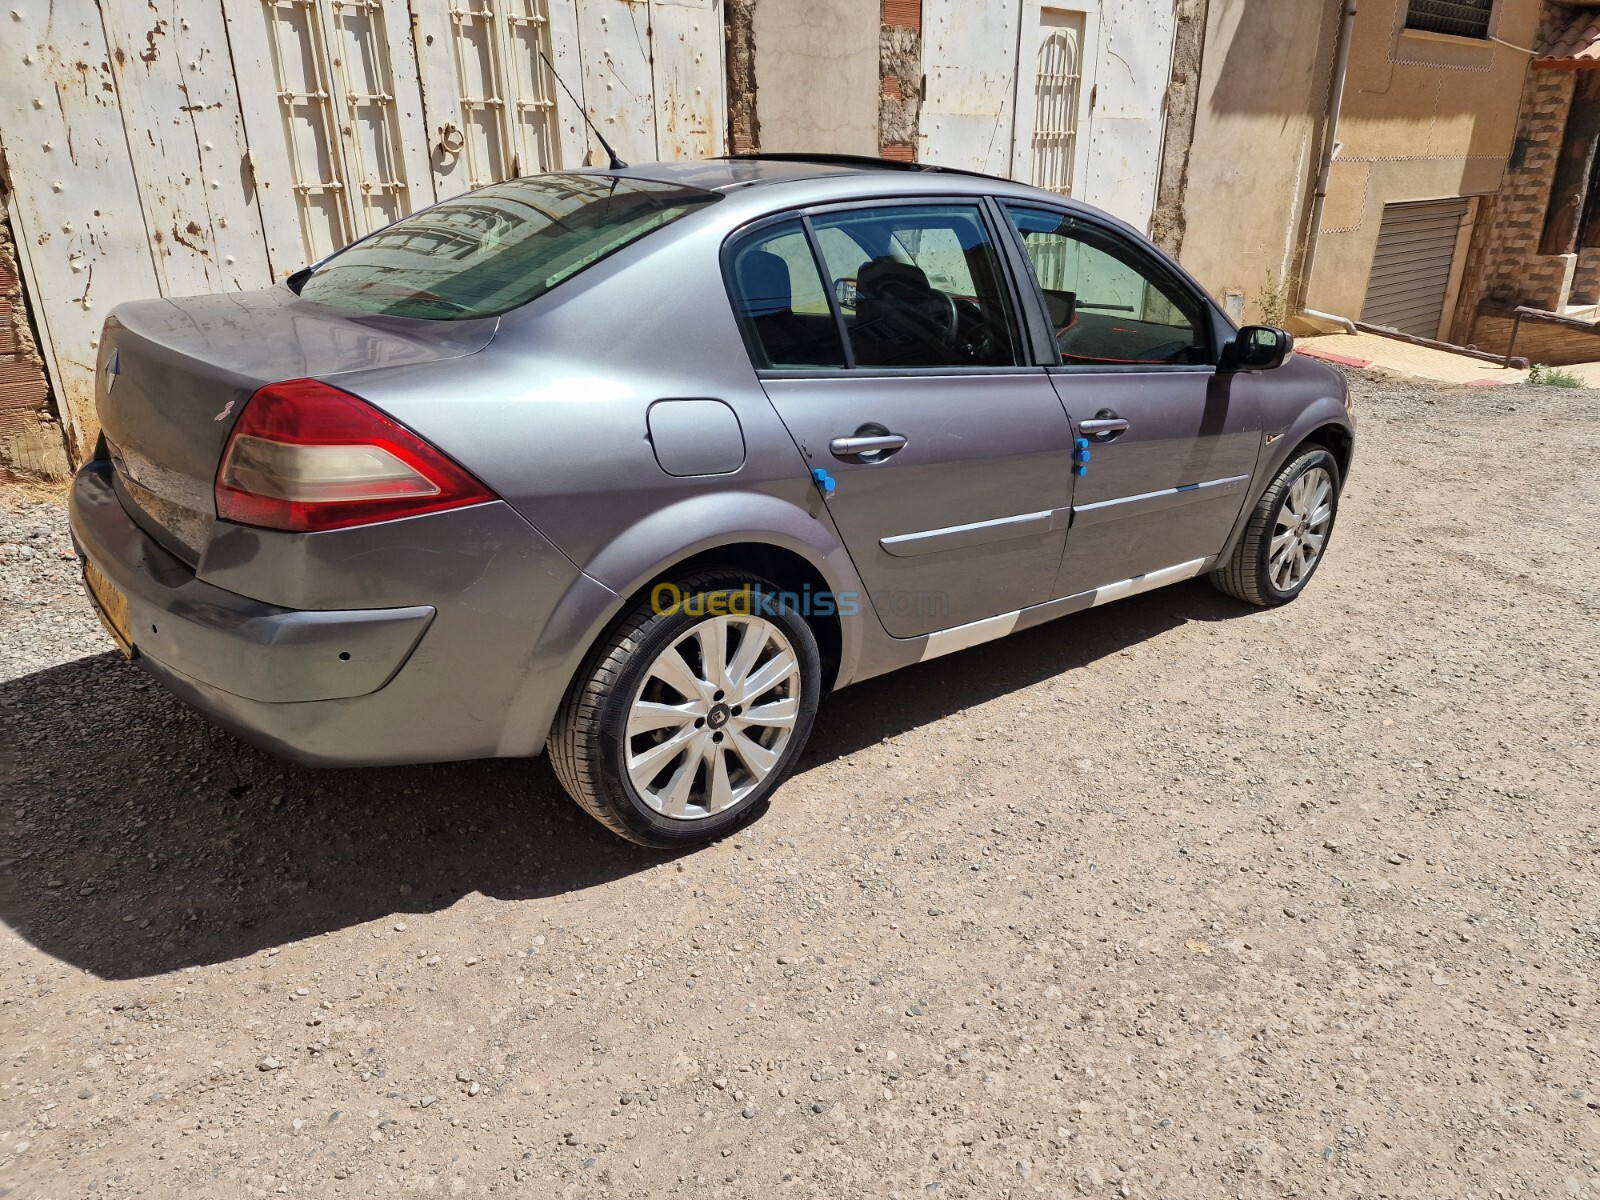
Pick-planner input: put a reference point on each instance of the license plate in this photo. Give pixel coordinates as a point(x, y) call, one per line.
point(112, 605)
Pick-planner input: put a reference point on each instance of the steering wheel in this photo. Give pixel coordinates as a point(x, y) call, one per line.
point(979, 331)
point(943, 316)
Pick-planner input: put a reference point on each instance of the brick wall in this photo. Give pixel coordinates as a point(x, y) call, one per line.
point(1515, 272)
point(31, 443)
point(1586, 278)
point(1559, 344)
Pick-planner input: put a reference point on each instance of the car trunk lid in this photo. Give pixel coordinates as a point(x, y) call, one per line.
point(175, 374)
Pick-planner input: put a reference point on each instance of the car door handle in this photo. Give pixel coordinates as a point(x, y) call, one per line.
point(1104, 425)
point(879, 445)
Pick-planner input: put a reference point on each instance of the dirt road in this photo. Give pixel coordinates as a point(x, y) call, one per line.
point(1170, 899)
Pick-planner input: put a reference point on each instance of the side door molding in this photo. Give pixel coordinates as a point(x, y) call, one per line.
point(1148, 502)
point(959, 537)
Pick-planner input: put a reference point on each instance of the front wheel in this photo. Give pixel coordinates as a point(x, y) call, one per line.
point(1287, 536)
point(690, 713)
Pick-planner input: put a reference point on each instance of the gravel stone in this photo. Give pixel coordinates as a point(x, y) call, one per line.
point(1186, 966)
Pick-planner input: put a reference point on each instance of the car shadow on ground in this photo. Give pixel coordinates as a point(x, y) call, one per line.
point(141, 839)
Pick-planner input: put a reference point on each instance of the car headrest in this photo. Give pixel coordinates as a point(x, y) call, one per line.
point(889, 279)
point(764, 284)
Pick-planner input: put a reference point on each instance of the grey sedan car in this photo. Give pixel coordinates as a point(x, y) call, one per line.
point(634, 465)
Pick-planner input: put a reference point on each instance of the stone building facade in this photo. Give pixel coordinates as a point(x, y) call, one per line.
point(1541, 250)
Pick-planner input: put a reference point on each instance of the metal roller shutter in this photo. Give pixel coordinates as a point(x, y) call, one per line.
point(1411, 269)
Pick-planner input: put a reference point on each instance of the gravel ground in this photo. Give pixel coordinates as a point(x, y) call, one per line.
point(1169, 899)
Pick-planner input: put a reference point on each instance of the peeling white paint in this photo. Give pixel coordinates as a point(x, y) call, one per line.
point(167, 149)
point(980, 111)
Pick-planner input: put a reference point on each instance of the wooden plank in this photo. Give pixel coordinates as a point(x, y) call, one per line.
point(688, 78)
point(186, 138)
point(80, 232)
point(614, 38)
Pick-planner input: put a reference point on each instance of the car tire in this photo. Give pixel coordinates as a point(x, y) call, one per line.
point(1286, 538)
point(733, 746)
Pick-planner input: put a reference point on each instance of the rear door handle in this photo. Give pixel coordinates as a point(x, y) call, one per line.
point(877, 446)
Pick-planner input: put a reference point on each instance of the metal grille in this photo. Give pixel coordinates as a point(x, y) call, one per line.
point(331, 68)
point(1464, 18)
point(508, 108)
point(1055, 122)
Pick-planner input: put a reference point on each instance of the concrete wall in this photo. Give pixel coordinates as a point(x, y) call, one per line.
point(1425, 118)
point(1258, 121)
point(817, 75)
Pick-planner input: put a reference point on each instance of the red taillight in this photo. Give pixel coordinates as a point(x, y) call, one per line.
point(305, 456)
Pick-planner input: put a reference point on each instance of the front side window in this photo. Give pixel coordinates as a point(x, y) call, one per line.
point(919, 286)
point(1463, 18)
point(1109, 304)
point(495, 249)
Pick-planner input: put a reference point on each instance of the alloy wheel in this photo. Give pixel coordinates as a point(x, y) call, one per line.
point(1301, 530)
point(712, 717)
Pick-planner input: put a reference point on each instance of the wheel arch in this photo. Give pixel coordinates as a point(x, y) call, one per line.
point(792, 546)
point(1334, 437)
point(1325, 423)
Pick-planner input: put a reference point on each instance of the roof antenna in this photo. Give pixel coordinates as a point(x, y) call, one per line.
point(616, 163)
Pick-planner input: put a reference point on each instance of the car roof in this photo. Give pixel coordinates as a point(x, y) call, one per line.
point(832, 173)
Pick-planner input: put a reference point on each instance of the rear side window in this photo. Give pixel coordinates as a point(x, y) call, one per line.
point(495, 249)
point(782, 304)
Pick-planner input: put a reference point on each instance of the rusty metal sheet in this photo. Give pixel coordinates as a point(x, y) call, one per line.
point(336, 132)
point(970, 55)
point(618, 89)
point(186, 137)
point(493, 110)
point(1129, 120)
point(689, 73)
point(80, 233)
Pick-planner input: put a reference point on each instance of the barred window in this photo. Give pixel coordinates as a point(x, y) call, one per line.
point(1463, 18)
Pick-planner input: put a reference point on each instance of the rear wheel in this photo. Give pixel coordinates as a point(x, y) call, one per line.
point(690, 713)
point(1287, 536)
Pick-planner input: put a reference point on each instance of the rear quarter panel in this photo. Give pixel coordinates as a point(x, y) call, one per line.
point(553, 416)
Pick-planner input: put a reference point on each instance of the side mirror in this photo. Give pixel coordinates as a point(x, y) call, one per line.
point(1258, 348)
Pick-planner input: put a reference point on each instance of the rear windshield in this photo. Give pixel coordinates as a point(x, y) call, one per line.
point(494, 249)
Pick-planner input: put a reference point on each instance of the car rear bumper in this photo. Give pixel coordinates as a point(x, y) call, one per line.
point(225, 641)
point(342, 686)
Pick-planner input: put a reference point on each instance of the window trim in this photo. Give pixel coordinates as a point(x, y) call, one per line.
point(1147, 263)
point(1028, 347)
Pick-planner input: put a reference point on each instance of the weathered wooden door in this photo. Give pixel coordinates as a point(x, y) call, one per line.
point(649, 72)
point(125, 153)
point(164, 149)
